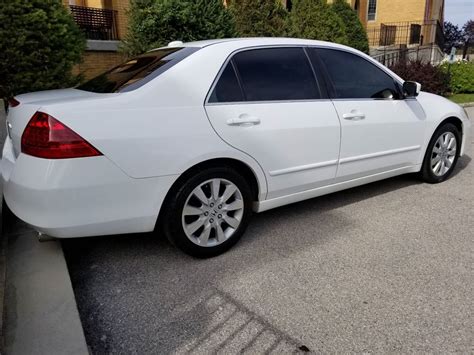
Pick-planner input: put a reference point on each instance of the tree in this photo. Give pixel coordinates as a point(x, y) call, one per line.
point(315, 19)
point(468, 30)
point(356, 34)
point(259, 18)
point(39, 44)
point(452, 37)
point(468, 37)
point(155, 23)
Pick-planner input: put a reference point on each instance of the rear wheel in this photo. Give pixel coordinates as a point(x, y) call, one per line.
point(442, 154)
point(209, 213)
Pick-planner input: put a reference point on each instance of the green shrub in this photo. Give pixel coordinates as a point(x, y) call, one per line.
point(356, 33)
point(315, 19)
point(155, 23)
point(259, 18)
point(432, 78)
point(461, 77)
point(39, 44)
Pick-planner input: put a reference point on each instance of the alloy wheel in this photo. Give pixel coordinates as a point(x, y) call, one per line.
point(212, 212)
point(443, 154)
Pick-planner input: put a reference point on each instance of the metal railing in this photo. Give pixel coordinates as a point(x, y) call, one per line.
point(96, 23)
point(428, 53)
point(406, 33)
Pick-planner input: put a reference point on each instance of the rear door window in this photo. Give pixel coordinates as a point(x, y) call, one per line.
point(227, 88)
point(269, 74)
point(137, 71)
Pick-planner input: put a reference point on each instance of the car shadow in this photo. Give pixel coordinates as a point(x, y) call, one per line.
point(463, 163)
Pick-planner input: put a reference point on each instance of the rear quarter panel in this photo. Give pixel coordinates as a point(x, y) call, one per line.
point(160, 129)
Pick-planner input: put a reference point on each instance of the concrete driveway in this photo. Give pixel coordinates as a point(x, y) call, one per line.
point(386, 267)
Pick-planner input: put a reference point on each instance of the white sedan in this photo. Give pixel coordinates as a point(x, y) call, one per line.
point(193, 137)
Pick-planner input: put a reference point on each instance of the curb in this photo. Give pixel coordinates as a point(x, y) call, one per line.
point(41, 315)
point(3, 247)
point(467, 104)
point(38, 310)
point(3, 241)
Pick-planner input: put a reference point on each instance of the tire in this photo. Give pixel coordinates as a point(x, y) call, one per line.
point(433, 171)
point(222, 218)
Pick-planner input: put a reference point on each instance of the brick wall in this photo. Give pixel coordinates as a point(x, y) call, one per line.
point(95, 63)
point(408, 11)
point(398, 11)
point(121, 6)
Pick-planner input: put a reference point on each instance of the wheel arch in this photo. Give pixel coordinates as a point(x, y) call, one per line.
point(457, 122)
point(243, 168)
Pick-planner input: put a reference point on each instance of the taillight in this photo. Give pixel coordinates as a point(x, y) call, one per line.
point(46, 137)
point(13, 102)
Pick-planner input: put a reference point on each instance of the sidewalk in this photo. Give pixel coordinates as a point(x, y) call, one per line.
point(38, 312)
point(3, 241)
point(3, 245)
point(41, 315)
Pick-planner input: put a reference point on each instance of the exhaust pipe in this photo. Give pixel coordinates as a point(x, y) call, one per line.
point(45, 238)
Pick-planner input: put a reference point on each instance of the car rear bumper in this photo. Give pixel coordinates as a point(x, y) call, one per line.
point(80, 197)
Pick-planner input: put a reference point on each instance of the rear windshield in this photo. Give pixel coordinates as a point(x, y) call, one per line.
point(137, 71)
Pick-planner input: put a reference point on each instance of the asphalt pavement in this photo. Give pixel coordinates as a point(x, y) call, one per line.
point(386, 267)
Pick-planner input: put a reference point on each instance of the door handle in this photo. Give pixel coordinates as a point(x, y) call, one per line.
point(354, 116)
point(243, 120)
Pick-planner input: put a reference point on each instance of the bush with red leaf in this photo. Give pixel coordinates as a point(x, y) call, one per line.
point(432, 78)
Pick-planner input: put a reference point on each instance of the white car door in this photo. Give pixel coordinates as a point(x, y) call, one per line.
point(380, 130)
point(267, 103)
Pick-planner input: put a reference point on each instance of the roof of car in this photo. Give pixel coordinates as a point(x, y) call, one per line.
point(269, 41)
point(245, 41)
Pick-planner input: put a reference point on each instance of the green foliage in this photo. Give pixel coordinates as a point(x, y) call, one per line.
point(155, 23)
point(39, 44)
point(432, 78)
point(452, 36)
point(356, 33)
point(461, 77)
point(461, 98)
point(315, 19)
point(259, 18)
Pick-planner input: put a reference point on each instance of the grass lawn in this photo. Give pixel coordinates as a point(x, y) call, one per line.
point(461, 98)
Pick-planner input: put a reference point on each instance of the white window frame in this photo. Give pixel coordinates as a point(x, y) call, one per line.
point(375, 13)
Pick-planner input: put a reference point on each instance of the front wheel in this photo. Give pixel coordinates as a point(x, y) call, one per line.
point(442, 154)
point(209, 212)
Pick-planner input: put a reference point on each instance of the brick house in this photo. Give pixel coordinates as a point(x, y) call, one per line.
point(393, 27)
point(401, 28)
point(104, 23)
point(406, 22)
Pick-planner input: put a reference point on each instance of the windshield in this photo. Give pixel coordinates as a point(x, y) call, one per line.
point(137, 71)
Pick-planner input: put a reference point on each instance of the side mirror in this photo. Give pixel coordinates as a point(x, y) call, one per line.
point(411, 88)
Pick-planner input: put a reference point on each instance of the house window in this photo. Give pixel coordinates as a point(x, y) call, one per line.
point(387, 35)
point(372, 10)
point(415, 34)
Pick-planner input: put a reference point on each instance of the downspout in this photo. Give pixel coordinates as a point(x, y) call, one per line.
point(427, 10)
